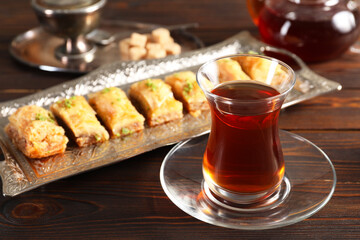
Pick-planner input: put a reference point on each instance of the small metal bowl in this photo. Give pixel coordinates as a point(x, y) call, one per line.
point(71, 20)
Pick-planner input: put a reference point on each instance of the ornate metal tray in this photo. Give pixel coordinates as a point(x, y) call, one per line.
point(20, 174)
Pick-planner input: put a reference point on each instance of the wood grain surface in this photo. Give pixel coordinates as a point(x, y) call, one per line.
point(125, 200)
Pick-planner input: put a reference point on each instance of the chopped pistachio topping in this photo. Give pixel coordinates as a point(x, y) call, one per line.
point(188, 86)
point(97, 137)
point(125, 131)
point(68, 103)
point(117, 134)
point(40, 117)
point(149, 83)
point(48, 118)
point(106, 90)
point(252, 52)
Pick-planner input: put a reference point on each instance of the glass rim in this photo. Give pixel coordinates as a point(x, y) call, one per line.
point(226, 99)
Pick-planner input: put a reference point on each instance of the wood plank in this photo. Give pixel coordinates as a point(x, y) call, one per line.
point(337, 110)
point(126, 200)
point(345, 70)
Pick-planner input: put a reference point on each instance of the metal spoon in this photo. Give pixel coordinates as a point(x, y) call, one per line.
point(102, 37)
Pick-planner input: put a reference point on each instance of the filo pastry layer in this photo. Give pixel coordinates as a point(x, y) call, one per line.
point(116, 111)
point(186, 89)
point(81, 120)
point(35, 132)
point(156, 101)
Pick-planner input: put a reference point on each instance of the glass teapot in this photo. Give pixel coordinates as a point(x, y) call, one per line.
point(315, 30)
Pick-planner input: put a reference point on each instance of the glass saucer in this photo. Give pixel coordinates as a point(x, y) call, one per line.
point(309, 172)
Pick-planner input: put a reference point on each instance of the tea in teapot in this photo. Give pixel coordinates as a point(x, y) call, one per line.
point(315, 30)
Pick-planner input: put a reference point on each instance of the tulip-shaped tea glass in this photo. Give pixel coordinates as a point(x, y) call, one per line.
point(243, 162)
point(247, 174)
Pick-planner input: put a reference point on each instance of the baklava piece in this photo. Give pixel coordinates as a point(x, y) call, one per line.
point(81, 120)
point(116, 111)
point(35, 132)
point(260, 69)
point(187, 90)
point(156, 100)
point(230, 70)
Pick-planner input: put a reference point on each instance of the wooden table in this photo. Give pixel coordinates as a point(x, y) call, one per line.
point(125, 200)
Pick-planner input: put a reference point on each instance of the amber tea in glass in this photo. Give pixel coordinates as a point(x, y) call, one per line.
point(243, 161)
